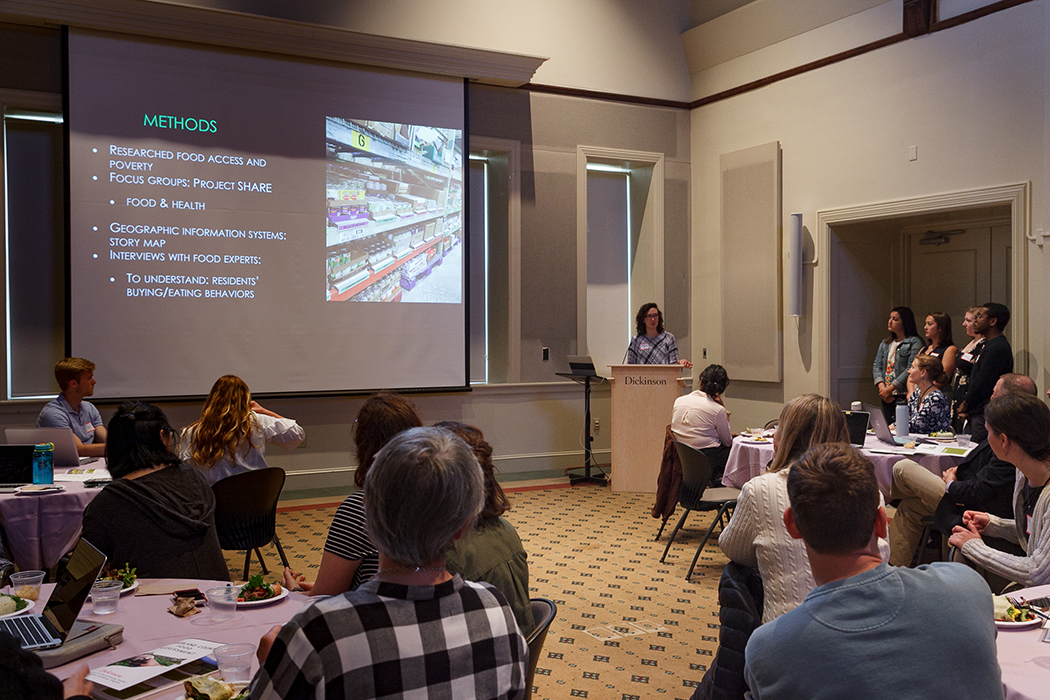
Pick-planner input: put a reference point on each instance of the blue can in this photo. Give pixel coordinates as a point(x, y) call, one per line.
point(44, 463)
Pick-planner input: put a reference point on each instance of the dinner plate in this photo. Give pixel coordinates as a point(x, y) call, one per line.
point(23, 611)
point(756, 441)
point(35, 490)
point(1007, 625)
point(267, 601)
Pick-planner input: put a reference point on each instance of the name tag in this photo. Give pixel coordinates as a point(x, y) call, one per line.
point(89, 428)
point(646, 346)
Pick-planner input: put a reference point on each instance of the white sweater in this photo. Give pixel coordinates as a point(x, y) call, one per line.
point(756, 536)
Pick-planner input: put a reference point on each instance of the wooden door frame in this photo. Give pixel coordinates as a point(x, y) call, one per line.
point(1019, 198)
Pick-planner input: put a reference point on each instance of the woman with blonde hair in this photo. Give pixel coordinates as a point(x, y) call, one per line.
point(231, 435)
point(756, 535)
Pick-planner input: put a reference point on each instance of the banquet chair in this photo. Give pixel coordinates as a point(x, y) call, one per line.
point(695, 494)
point(543, 612)
point(246, 513)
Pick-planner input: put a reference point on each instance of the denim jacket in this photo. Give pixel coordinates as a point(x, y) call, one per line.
point(907, 349)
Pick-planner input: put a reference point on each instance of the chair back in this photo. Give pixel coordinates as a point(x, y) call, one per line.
point(696, 475)
point(543, 612)
point(246, 508)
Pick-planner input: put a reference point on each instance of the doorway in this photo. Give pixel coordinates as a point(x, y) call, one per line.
point(943, 253)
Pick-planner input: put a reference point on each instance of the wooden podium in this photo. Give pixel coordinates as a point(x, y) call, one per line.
point(642, 402)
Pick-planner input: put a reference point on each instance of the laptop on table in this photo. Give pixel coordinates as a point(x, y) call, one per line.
point(882, 428)
point(16, 466)
point(65, 446)
point(50, 628)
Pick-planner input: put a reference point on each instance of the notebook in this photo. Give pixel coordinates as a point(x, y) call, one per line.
point(65, 446)
point(50, 628)
point(882, 428)
point(16, 466)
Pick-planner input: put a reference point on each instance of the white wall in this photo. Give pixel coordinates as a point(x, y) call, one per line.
point(620, 46)
point(973, 99)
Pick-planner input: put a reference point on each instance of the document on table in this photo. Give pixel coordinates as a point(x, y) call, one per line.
point(81, 474)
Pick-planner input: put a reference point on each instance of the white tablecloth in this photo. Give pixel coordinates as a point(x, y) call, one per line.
point(1024, 658)
point(748, 460)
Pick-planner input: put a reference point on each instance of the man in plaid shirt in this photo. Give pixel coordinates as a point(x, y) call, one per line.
point(413, 631)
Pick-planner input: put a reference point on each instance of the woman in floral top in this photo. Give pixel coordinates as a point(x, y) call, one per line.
point(928, 409)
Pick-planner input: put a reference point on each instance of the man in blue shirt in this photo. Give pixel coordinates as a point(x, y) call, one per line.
point(869, 630)
point(76, 379)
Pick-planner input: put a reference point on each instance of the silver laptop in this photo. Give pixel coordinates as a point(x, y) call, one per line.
point(50, 628)
point(65, 446)
point(882, 428)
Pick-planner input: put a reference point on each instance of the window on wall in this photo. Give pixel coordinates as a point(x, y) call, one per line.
point(495, 315)
point(34, 250)
point(608, 261)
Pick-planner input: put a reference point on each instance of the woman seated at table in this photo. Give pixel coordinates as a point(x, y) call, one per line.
point(700, 420)
point(415, 630)
point(756, 535)
point(1018, 433)
point(653, 345)
point(231, 435)
point(492, 551)
point(158, 515)
point(928, 408)
point(349, 558)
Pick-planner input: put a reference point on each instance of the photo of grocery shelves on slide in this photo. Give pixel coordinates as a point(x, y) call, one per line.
point(394, 226)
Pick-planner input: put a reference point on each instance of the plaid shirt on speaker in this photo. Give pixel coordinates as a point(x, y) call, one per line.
point(384, 640)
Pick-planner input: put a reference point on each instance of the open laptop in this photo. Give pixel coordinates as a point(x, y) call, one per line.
point(857, 424)
point(580, 366)
point(16, 466)
point(882, 428)
point(65, 446)
point(50, 628)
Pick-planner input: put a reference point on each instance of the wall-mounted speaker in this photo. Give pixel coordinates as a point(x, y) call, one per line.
point(794, 271)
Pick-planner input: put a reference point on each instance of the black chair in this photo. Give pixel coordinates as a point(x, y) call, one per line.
point(246, 512)
point(696, 494)
point(543, 612)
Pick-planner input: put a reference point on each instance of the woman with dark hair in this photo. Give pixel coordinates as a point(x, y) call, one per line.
point(492, 552)
point(349, 557)
point(1018, 433)
point(756, 534)
point(700, 419)
point(893, 359)
point(231, 435)
point(158, 515)
point(938, 330)
point(653, 345)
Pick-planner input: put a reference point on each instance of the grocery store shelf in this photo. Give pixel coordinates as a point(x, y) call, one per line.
point(374, 277)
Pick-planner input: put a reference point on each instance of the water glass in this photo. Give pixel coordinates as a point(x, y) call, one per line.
point(26, 584)
point(235, 661)
point(105, 597)
point(962, 439)
point(222, 601)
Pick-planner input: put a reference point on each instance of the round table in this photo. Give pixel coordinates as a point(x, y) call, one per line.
point(747, 460)
point(1023, 657)
point(39, 529)
point(148, 625)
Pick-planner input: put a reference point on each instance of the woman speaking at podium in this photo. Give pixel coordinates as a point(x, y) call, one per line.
point(653, 345)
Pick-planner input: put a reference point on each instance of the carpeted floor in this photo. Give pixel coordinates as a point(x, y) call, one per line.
point(627, 625)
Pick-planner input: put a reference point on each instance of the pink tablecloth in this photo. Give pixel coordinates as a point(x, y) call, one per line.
point(148, 625)
point(40, 529)
point(746, 461)
point(1023, 658)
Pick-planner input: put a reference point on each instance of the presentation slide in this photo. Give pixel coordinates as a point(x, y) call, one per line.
point(198, 182)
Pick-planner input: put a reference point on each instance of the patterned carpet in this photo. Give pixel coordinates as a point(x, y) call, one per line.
point(627, 626)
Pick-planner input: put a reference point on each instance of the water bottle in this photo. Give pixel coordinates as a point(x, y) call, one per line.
point(902, 420)
point(44, 463)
